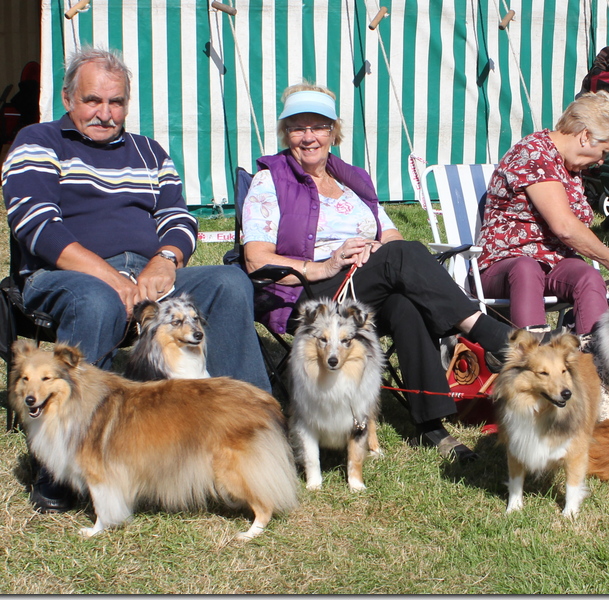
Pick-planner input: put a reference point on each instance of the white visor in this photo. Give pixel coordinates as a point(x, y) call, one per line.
point(309, 102)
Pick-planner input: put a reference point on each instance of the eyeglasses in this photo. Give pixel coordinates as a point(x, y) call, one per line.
point(317, 130)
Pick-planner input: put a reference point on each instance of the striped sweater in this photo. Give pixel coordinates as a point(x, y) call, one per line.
point(60, 187)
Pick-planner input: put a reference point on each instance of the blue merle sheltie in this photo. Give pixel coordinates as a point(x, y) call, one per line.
point(336, 365)
point(171, 343)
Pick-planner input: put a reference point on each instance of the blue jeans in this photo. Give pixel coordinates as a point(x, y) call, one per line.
point(90, 313)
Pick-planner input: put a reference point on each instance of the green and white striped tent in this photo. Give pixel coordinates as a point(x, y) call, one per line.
point(437, 78)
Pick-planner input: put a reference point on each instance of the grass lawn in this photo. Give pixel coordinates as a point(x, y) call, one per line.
point(424, 525)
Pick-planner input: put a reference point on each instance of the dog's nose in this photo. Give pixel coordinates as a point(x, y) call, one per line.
point(332, 361)
point(30, 400)
point(566, 394)
point(198, 335)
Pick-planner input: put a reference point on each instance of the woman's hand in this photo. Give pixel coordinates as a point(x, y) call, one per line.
point(353, 251)
point(550, 199)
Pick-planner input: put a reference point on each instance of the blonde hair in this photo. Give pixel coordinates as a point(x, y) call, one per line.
point(590, 111)
point(307, 86)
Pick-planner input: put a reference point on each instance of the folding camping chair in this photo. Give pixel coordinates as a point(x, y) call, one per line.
point(462, 194)
point(16, 321)
point(261, 278)
point(268, 274)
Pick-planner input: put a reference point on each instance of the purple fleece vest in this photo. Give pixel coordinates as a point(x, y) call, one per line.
point(298, 200)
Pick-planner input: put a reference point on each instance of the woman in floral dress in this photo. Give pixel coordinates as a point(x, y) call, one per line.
point(536, 222)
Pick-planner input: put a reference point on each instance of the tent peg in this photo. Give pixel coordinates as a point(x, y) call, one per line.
point(80, 6)
point(508, 17)
point(224, 8)
point(381, 13)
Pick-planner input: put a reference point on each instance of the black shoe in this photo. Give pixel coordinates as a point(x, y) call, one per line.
point(47, 496)
point(495, 360)
point(447, 445)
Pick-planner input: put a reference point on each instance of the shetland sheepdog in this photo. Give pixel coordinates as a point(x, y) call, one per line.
point(175, 443)
point(548, 399)
point(335, 366)
point(598, 346)
point(171, 341)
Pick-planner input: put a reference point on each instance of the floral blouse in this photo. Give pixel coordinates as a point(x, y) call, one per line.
point(512, 226)
point(339, 218)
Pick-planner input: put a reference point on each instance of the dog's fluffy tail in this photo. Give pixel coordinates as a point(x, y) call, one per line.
point(267, 472)
point(271, 470)
point(598, 463)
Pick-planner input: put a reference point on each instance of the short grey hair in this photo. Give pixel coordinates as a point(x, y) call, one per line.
point(110, 60)
point(590, 111)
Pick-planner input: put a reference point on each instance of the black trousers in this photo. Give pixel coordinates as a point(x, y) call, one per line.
point(416, 302)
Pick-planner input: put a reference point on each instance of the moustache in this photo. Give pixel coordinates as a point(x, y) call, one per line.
point(96, 121)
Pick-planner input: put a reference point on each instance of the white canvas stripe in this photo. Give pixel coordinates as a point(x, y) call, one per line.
point(447, 75)
point(131, 57)
point(269, 93)
point(396, 155)
point(346, 94)
point(245, 129)
point(159, 73)
point(320, 11)
point(421, 60)
point(190, 112)
point(100, 24)
point(295, 42)
point(216, 85)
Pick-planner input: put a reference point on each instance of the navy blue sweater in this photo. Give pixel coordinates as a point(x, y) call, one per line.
point(60, 187)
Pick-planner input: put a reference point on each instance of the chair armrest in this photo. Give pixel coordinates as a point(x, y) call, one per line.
point(447, 251)
point(273, 273)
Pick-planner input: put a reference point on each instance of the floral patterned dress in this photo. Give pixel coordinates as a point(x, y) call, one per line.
point(512, 226)
point(339, 218)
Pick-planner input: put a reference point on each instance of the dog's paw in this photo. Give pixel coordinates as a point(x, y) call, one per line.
point(376, 453)
point(514, 504)
point(570, 513)
point(254, 531)
point(356, 486)
point(88, 532)
point(314, 486)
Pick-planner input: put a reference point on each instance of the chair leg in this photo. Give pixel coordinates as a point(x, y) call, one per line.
point(400, 396)
point(274, 370)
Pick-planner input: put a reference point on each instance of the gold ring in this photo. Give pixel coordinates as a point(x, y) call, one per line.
point(342, 255)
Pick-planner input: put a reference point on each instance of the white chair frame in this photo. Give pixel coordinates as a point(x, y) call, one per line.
point(462, 195)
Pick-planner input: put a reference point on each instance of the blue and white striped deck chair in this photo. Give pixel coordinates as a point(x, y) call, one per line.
point(462, 194)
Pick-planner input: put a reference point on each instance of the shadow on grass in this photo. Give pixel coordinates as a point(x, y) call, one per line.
point(490, 472)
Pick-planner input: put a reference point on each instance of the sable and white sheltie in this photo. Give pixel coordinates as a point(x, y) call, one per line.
point(171, 342)
point(174, 442)
point(599, 449)
point(335, 365)
point(548, 399)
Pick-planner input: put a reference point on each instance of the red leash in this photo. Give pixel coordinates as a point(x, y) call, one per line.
point(461, 395)
point(345, 280)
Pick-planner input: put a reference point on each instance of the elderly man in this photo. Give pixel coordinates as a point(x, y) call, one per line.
point(101, 224)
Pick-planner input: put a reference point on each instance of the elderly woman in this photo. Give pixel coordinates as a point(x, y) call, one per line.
point(536, 220)
point(309, 210)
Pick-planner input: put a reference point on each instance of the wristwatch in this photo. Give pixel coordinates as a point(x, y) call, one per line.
point(169, 255)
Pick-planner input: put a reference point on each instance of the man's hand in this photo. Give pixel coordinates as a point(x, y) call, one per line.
point(156, 279)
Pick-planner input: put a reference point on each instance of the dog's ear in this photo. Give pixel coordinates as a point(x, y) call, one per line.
point(70, 355)
point(568, 341)
point(311, 309)
point(144, 311)
point(359, 313)
point(23, 347)
point(521, 342)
